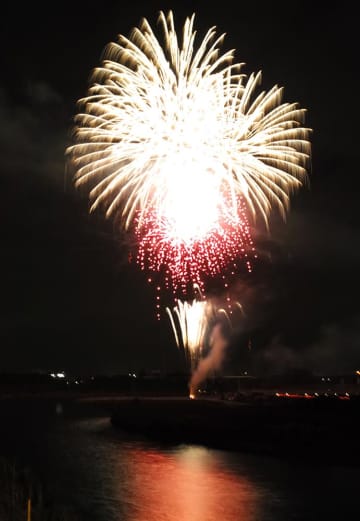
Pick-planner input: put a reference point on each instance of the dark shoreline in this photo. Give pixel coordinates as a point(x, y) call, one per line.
point(324, 431)
point(318, 432)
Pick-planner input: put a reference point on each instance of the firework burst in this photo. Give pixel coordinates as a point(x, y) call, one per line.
point(170, 128)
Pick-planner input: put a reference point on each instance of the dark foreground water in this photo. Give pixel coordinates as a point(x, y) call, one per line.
point(105, 475)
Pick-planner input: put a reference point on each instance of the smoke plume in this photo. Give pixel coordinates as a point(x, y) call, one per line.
point(212, 361)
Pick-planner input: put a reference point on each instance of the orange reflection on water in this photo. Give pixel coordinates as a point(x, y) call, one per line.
point(189, 485)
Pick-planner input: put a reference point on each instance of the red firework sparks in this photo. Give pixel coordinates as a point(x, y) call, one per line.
point(190, 259)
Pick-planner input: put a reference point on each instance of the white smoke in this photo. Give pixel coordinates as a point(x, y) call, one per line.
point(213, 361)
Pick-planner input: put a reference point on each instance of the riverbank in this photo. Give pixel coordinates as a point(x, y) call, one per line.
point(321, 431)
point(324, 430)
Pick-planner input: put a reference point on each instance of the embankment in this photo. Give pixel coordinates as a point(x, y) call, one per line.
point(324, 430)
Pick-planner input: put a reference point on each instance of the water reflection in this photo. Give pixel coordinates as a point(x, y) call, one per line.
point(103, 474)
point(187, 485)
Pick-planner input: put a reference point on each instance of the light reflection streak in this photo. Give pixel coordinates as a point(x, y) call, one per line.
point(189, 485)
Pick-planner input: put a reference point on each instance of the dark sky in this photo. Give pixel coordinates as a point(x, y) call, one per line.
point(69, 298)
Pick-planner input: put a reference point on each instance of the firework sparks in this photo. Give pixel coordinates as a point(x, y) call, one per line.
point(175, 140)
point(187, 260)
point(193, 321)
point(165, 131)
point(198, 326)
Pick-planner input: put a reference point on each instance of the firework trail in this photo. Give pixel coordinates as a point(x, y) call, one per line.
point(201, 328)
point(174, 139)
point(193, 320)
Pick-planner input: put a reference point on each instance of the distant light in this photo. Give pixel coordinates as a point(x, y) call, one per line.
point(53, 375)
point(60, 375)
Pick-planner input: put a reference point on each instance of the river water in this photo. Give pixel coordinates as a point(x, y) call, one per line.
point(103, 474)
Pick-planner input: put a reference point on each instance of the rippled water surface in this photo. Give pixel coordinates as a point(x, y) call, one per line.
point(105, 475)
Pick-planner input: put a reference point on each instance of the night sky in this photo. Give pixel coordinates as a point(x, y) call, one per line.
point(70, 300)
